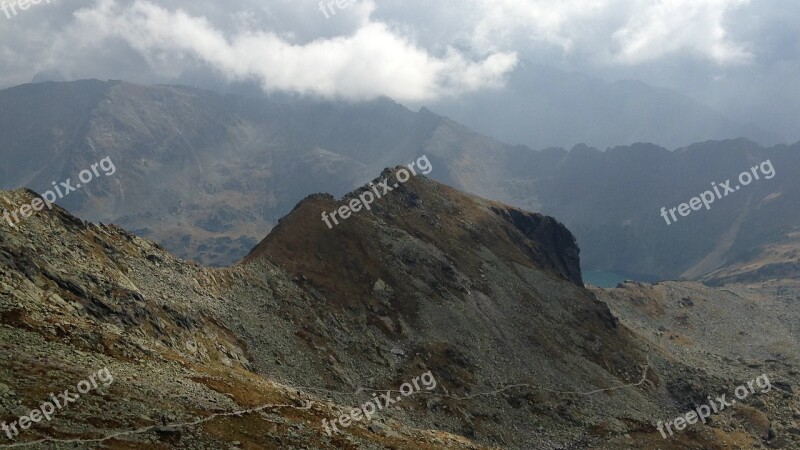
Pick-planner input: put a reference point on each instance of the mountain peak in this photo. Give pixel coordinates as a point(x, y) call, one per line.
point(410, 222)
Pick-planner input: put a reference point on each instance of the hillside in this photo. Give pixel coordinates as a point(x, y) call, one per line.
point(486, 297)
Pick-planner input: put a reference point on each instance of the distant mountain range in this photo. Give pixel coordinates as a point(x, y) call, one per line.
point(208, 174)
point(541, 107)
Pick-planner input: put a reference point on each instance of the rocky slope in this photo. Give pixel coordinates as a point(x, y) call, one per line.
point(735, 334)
point(76, 298)
point(486, 297)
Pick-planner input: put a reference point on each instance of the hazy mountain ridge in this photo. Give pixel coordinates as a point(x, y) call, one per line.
point(223, 168)
point(611, 201)
point(208, 174)
point(541, 106)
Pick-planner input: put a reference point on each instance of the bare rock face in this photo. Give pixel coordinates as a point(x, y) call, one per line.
point(559, 248)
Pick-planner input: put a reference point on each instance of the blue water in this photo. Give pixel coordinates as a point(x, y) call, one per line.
point(603, 279)
point(607, 279)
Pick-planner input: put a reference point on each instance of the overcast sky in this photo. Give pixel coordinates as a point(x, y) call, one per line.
point(739, 56)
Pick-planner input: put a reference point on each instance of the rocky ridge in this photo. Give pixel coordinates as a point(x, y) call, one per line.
point(486, 297)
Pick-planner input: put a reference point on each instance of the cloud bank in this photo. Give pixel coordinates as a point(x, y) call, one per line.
point(372, 61)
point(411, 50)
point(739, 56)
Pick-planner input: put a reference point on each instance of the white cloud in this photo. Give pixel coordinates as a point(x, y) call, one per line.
point(412, 50)
point(552, 22)
point(670, 26)
point(611, 31)
point(371, 61)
